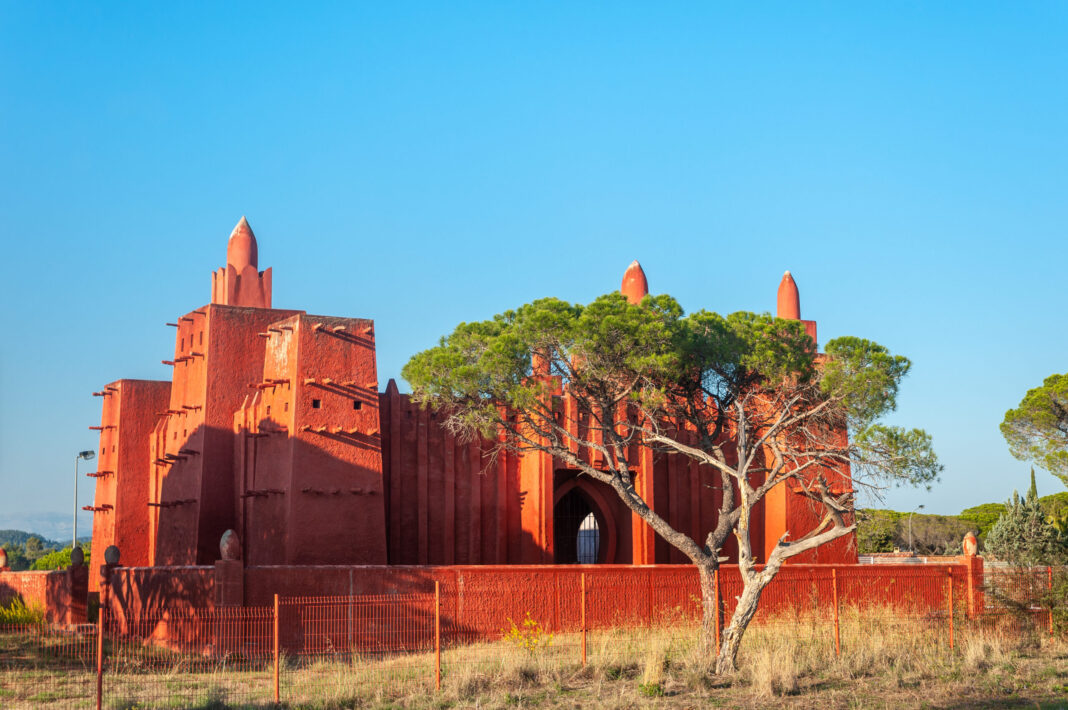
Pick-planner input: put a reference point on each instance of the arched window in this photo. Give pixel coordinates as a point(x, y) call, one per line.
point(576, 532)
point(589, 540)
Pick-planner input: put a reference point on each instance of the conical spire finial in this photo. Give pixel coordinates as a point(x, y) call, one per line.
point(635, 286)
point(789, 301)
point(241, 250)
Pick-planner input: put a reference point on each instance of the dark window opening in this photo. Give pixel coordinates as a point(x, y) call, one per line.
point(576, 533)
point(268, 410)
point(285, 406)
point(317, 403)
point(357, 404)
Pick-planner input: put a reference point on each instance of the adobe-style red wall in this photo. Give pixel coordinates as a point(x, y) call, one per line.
point(218, 356)
point(478, 601)
point(308, 450)
point(61, 594)
point(447, 501)
point(136, 591)
point(129, 413)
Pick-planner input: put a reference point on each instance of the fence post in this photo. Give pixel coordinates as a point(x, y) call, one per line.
point(837, 640)
point(274, 649)
point(949, 601)
point(437, 635)
point(715, 583)
point(100, 653)
point(1049, 580)
point(584, 618)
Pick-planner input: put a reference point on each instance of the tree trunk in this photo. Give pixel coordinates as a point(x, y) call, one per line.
point(710, 608)
point(727, 662)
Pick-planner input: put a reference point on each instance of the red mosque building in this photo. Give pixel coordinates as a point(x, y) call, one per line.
point(273, 426)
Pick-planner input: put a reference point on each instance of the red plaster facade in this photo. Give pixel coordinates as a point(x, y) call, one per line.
point(273, 426)
point(128, 413)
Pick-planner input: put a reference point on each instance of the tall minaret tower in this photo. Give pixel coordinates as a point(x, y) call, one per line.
point(788, 304)
point(239, 283)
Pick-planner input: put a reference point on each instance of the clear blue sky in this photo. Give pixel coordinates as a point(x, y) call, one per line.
point(427, 164)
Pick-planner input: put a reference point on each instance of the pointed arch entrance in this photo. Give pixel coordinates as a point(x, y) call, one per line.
point(584, 531)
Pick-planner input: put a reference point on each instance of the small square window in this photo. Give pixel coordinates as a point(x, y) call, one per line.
point(268, 410)
point(317, 403)
point(357, 404)
point(202, 337)
point(285, 406)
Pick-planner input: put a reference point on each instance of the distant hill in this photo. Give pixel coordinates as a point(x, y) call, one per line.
point(19, 537)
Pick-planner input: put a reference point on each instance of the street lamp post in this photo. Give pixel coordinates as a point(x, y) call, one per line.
point(911, 549)
point(87, 455)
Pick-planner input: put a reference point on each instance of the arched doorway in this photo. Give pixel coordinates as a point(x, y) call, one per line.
point(582, 533)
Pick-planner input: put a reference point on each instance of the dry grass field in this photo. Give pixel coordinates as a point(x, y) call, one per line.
point(885, 662)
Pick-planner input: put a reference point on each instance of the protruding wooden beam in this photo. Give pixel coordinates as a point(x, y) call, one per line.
point(173, 325)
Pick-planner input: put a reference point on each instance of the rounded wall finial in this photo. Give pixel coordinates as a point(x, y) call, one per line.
point(3, 557)
point(241, 250)
point(230, 546)
point(970, 544)
point(635, 286)
point(789, 301)
point(77, 557)
point(111, 555)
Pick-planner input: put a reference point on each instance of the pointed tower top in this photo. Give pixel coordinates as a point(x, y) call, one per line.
point(789, 301)
point(635, 286)
point(241, 251)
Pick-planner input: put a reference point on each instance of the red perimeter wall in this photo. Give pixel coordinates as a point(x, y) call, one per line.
point(477, 601)
point(61, 594)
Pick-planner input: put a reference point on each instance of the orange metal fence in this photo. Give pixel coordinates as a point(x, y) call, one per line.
point(348, 649)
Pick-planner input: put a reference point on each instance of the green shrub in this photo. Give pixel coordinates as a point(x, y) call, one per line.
point(16, 612)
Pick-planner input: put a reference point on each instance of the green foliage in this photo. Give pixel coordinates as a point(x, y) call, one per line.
point(876, 530)
point(867, 374)
point(57, 559)
point(27, 551)
point(935, 534)
point(1037, 430)
point(1023, 536)
point(652, 354)
point(984, 516)
point(528, 636)
point(888, 531)
point(17, 613)
point(651, 690)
